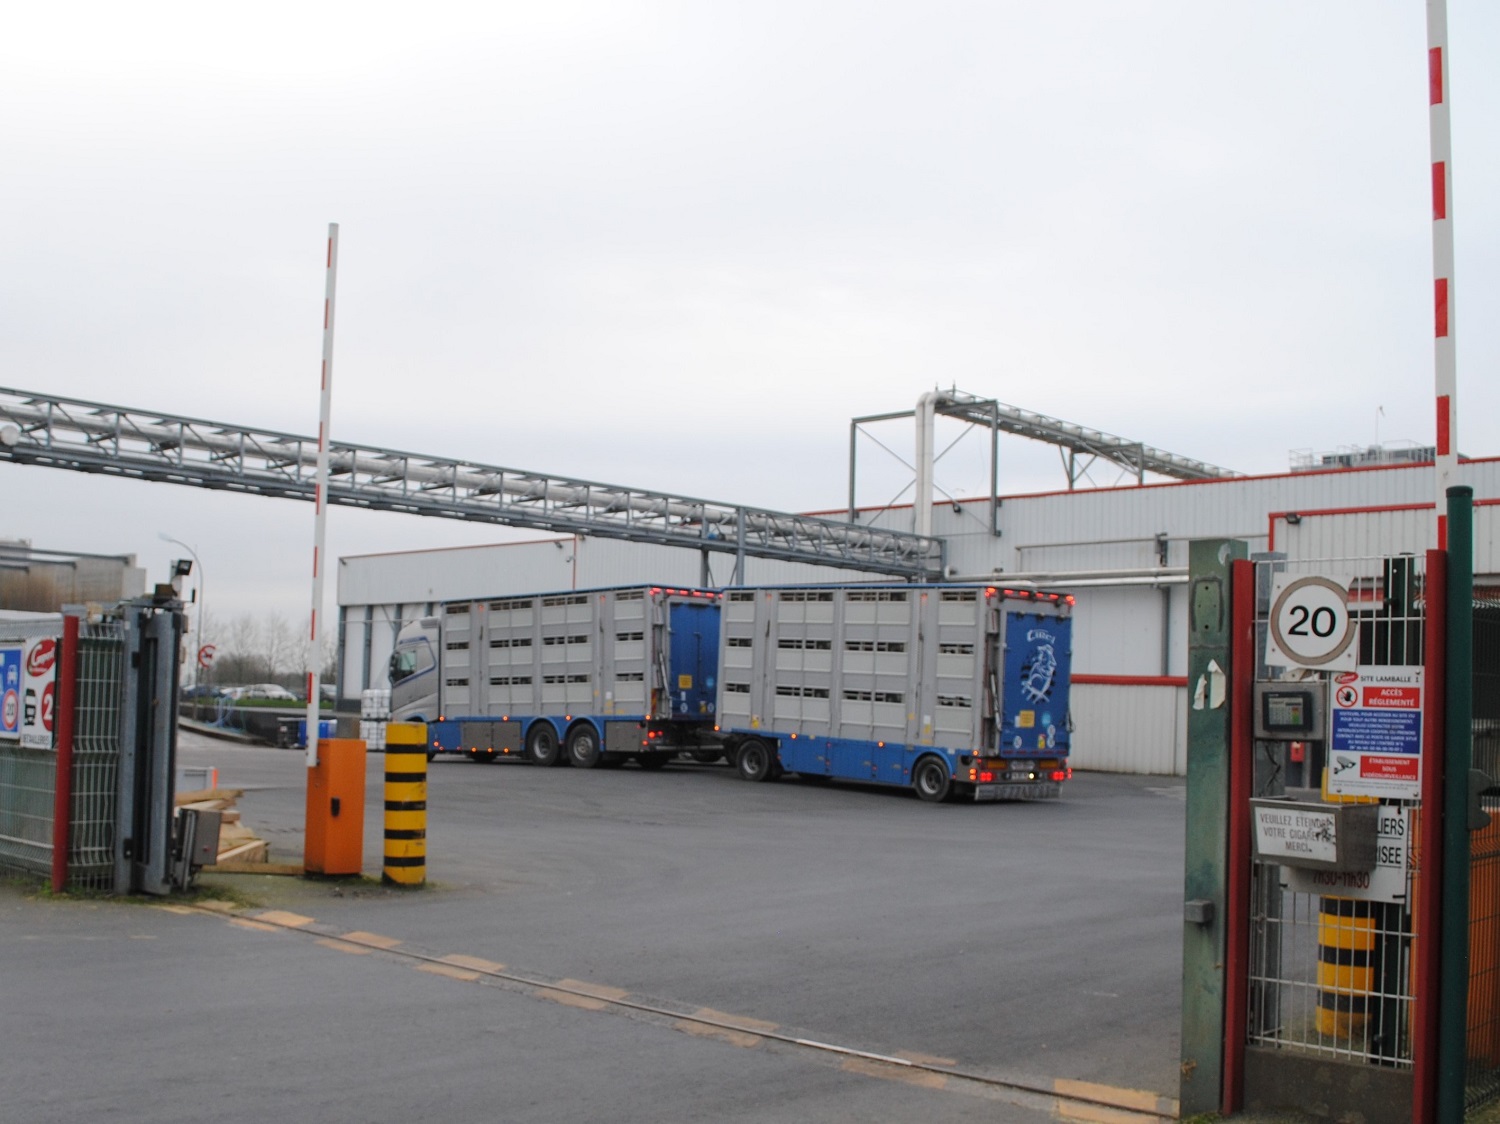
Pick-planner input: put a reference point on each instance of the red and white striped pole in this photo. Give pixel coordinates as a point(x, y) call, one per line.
point(320, 500)
point(1445, 360)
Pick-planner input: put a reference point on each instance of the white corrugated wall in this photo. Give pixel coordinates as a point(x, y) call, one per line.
point(1129, 728)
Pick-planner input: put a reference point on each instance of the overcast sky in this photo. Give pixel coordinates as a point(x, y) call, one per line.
point(679, 245)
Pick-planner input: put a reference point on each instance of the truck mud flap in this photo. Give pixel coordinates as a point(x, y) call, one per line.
point(1042, 790)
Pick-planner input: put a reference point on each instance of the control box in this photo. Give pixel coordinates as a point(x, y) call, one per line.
point(1292, 711)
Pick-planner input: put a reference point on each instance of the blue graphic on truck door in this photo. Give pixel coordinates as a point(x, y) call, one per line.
point(1038, 658)
point(694, 658)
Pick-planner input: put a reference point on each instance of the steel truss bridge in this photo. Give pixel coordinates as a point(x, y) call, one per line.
point(66, 433)
point(1078, 446)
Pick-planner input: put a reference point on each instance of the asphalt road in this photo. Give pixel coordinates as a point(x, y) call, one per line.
point(1024, 944)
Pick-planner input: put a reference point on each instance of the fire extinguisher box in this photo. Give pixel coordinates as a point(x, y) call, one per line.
point(335, 836)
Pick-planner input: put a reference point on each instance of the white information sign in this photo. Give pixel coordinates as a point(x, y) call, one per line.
point(1296, 833)
point(1385, 883)
point(1375, 733)
point(39, 691)
point(1310, 623)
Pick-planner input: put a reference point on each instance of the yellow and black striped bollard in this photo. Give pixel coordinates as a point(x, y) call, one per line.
point(405, 804)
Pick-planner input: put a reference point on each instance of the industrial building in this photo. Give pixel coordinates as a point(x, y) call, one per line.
point(1122, 551)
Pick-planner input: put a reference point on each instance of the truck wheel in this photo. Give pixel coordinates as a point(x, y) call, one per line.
point(930, 779)
point(755, 760)
point(583, 746)
point(541, 744)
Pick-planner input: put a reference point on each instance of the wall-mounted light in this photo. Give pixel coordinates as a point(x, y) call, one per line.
point(1292, 518)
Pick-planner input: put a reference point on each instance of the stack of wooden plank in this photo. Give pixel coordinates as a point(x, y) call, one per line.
point(237, 843)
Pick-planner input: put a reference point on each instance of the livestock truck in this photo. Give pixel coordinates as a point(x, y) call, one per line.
point(586, 677)
point(953, 690)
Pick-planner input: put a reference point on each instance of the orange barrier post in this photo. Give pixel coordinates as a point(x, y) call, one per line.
point(335, 841)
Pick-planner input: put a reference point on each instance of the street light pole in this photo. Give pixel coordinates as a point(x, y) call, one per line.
point(202, 599)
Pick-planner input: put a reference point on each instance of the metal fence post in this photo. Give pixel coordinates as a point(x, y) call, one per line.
point(1457, 760)
point(62, 800)
point(1206, 860)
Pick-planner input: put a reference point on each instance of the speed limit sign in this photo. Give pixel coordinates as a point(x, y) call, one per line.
point(1310, 624)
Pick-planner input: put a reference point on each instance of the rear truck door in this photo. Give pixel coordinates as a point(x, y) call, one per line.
point(1034, 683)
point(693, 659)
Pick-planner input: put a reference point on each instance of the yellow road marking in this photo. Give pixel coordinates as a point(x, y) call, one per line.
point(449, 970)
point(925, 1059)
point(1136, 1100)
point(282, 917)
point(742, 1022)
point(475, 962)
point(733, 1037)
point(871, 1068)
point(374, 940)
point(1097, 1114)
point(259, 926)
point(598, 991)
point(341, 946)
point(568, 999)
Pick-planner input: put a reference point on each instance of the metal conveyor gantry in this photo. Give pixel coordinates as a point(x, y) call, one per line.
point(53, 432)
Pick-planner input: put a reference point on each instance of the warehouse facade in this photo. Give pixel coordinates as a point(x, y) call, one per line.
point(1121, 551)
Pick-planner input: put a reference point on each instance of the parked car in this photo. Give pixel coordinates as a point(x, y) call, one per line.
point(202, 691)
point(262, 691)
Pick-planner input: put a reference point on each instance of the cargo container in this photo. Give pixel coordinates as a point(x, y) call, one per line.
point(953, 690)
point(587, 677)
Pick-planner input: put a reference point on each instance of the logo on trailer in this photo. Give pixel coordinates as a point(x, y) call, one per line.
point(1038, 673)
point(41, 657)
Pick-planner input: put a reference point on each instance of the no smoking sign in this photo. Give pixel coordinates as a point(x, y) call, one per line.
point(1310, 624)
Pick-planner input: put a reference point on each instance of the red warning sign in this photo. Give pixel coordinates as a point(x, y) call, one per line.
point(1393, 698)
point(1372, 767)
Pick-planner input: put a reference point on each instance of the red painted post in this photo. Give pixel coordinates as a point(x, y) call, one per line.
point(1426, 980)
point(62, 797)
point(1237, 881)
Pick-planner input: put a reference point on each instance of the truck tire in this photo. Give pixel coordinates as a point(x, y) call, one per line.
point(583, 746)
point(755, 761)
point(931, 781)
point(541, 744)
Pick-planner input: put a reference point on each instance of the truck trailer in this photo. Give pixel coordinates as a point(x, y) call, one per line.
point(953, 690)
point(586, 677)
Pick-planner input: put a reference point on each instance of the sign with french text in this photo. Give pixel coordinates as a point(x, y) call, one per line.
point(1375, 733)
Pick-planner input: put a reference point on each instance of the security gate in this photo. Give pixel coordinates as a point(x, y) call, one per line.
point(1341, 946)
point(88, 746)
point(1341, 706)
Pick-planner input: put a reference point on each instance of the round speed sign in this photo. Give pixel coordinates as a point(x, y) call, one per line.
point(1310, 621)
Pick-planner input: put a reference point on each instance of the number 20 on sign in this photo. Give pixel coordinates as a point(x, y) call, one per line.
point(1310, 624)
